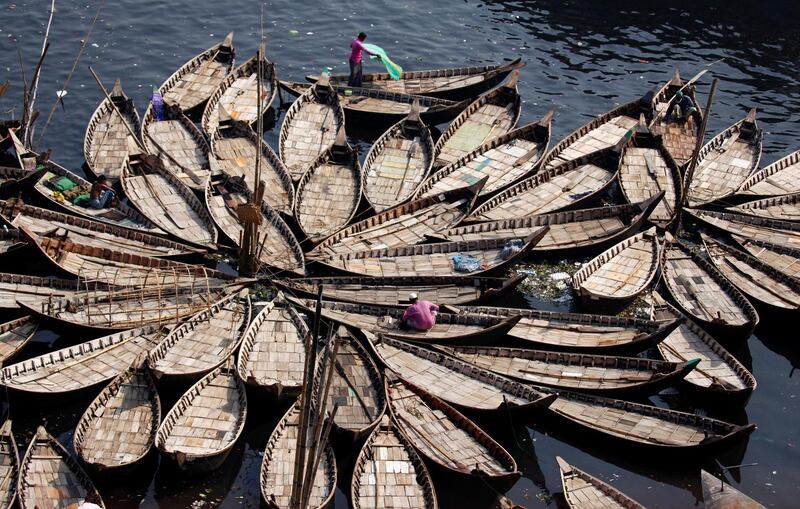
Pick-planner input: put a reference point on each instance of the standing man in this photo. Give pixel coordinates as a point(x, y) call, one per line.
point(356, 56)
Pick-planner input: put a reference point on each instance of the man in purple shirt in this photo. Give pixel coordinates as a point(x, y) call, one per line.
point(420, 315)
point(356, 57)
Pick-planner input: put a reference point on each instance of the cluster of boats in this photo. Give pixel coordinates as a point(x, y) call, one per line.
point(444, 218)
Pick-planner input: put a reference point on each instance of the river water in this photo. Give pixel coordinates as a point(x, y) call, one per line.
point(583, 58)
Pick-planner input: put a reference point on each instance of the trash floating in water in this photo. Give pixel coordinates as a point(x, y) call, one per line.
point(293, 32)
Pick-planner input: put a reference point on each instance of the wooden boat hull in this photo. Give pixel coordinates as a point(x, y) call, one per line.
point(784, 259)
point(9, 466)
point(720, 495)
point(716, 327)
point(600, 228)
point(365, 290)
point(779, 178)
point(398, 391)
point(783, 208)
point(593, 374)
point(14, 335)
point(461, 83)
point(784, 234)
point(582, 490)
point(641, 334)
point(388, 107)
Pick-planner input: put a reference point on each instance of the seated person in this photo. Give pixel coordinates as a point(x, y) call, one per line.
point(420, 315)
point(100, 193)
point(683, 106)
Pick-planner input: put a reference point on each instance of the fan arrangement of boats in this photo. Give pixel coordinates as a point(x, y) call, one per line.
point(347, 242)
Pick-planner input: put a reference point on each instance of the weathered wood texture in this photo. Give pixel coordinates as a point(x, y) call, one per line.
point(726, 161)
point(84, 365)
point(780, 177)
point(310, 127)
point(9, 466)
point(398, 162)
point(50, 477)
point(203, 426)
point(205, 341)
point(34, 290)
point(389, 473)
point(718, 494)
point(107, 141)
point(785, 234)
point(277, 467)
point(14, 335)
point(785, 207)
point(119, 427)
point(781, 258)
point(719, 373)
point(582, 491)
point(493, 114)
point(679, 134)
point(505, 159)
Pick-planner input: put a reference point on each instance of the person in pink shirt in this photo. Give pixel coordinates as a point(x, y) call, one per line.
point(356, 57)
point(420, 315)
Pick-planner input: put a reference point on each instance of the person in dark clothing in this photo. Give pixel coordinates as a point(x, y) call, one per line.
point(100, 193)
point(681, 107)
point(356, 58)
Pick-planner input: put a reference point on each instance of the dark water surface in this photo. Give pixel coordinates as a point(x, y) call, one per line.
point(583, 59)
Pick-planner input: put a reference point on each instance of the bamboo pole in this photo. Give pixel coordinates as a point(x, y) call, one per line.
point(318, 457)
point(305, 407)
point(700, 137)
point(28, 134)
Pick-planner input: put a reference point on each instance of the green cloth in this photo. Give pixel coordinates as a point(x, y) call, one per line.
point(82, 199)
point(393, 69)
point(64, 184)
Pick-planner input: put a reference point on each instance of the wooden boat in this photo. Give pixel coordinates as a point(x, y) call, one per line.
point(311, 125)
point(781, 258)
point(784, 234)
point(679, 135)
point(780, 177)
point(644, 426)
point(277, 467)
point(50, 477)
point(785, 207)
point(436, 259)
point(179, 145)
point(389, 473)
point(190, 86)
point(119, 427)
point(199, 432)
point(505, 159)
point(78, 367)
point(357, 388)
point(238, 93)
point(456, 83)
point(107, 141)
point(34, 290)
point(171, 204)
point(279, 249)
point(9, 466)
point(10, 239)
point(273, 352)
point(378, 107)
point(583, 491)
point(493, 114)
point(384, 320)
point(329, 191)
point(600, 133)
point(718, 374)
point(603, 375)
point(23, 157)
point(618, 275)
point(234, 147)
point(701, 292)
point(398, 162)
point(204, 341)
point(646, 168)
point(569, 232)
point(14, 335)
point(717, 494)
point(568, 185)
point(120, 214)
point(393, 291)
point(118, 310)
point(446, 438)
point(757, 280)
point(458, 383)
point(49, 223)
point(407, 224)
point(577, 332)
point(13, 180)
point(726, 161)
point(120, 268)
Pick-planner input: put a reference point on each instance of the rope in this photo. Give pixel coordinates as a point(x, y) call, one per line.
point(72, 71)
